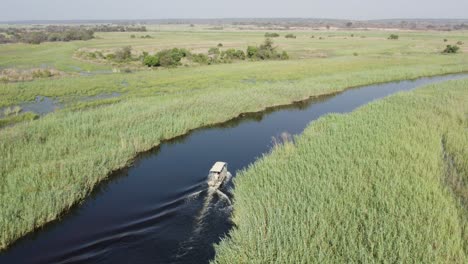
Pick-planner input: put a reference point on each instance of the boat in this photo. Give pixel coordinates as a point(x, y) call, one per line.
point(218, 175)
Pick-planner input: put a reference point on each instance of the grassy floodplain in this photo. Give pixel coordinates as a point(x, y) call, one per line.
point(50, 164)
point(386, 183)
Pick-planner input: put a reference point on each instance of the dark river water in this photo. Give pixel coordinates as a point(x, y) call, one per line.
point(158, 210)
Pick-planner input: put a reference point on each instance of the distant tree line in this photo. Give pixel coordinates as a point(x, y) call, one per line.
point(55, 33)
point(37, 35)
point(118, 28)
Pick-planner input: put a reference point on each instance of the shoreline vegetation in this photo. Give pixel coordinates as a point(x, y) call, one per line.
point(51, 164)
point(385, 183)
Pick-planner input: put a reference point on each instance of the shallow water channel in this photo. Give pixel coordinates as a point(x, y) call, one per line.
point(158, 210)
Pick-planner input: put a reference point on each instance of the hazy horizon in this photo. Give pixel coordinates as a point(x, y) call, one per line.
point(30, 10)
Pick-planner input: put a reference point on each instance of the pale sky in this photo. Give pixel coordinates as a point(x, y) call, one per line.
point(160, 9)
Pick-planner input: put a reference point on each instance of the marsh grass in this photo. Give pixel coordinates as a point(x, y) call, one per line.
point(17, 118)
point(364, 187)
point(50, 164)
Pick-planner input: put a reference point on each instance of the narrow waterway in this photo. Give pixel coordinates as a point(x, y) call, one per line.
point(158, 210)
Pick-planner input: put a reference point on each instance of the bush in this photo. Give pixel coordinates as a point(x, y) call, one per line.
point(220, 45)
point(460, 43)
point(284, 56)
point(445, 40)
point(290, 36)
point(200, 58)
point(41, 74)
point(151, 61)
point(271, 35)
point(132, 36)
point(124, 54)
point(451, 49)
point(266, 51)
point(213, 51)
point(393, 37)
point(34, 37)
point(165, 58)
point(232, 54)
point(252, 51)
point(110, 56)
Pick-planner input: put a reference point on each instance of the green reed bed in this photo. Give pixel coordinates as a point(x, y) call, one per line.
point(48, 165)
point(375, 185)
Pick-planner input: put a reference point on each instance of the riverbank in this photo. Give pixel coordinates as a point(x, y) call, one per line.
point(50, 164)
point(386, 183)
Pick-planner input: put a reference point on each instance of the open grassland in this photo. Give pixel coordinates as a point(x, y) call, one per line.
point(386, 183)
point(326, 52)
point(47, 165)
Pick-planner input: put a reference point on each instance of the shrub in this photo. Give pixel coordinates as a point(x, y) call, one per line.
point(41, 74)
point(451, 49)
point(271, 35)
point(393, 37)
point(99, 55)
point(290, 36)
point(252, 51)
point(220, 45)
point(151, 61)
point(171, 58)
point(284, 56)
point(34, 37)
point(213, 51)
point(132, 36)
point(123, 54)
point(445, 40)
point(200, 58)
point(232, 54)
point(266, 51)
point(460, 43)
point(110, 56)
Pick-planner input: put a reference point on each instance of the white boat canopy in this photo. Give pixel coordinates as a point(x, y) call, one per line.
point(218, 167)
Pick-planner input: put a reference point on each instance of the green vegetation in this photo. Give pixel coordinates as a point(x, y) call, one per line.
point(166, 58)
point(393, 37)
point(290, 36)
point(173, 57)
point(384, 184)
point(266, 51)
point(271, 35)
point(49, 164)
point(451, 49)
point(17, 75)
point(17, 118)
point(51, 34)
